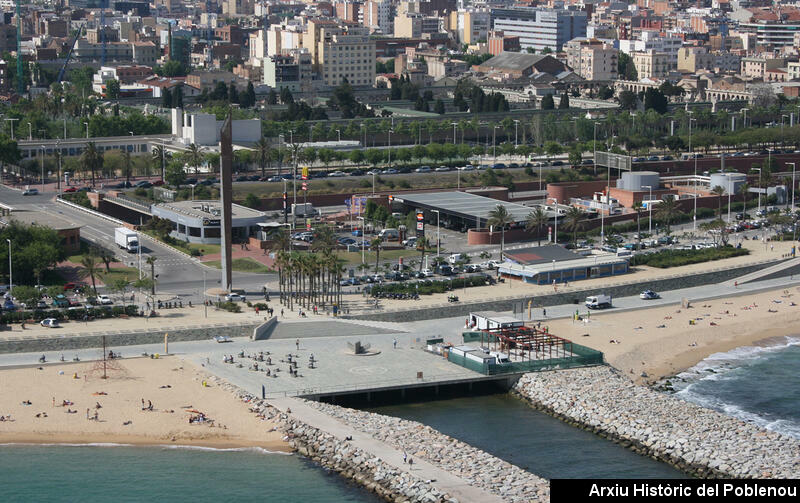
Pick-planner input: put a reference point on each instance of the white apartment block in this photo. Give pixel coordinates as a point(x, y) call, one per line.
point(472, 25)
point(376, 15)
point(652, 64)
point(592, 59)
point(346, 55)
point(652, 41)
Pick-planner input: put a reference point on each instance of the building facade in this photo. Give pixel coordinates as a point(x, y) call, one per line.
point(540, 28)
point(592, 59)
point(347, 54)
point(291, 70)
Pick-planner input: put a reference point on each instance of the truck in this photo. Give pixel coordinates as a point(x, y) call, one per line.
point(304, 210)
point(126, 239)
point(389, 235)
point(600, 301)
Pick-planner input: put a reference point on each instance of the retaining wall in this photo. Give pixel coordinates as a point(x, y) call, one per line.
point(507, 304)
point(264, 330)
point(142, 336)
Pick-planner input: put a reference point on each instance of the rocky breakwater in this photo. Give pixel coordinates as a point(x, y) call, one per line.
point(474, 466)
point(339, 455)
point(699, 441)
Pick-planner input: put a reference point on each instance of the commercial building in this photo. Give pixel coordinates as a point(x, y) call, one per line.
point(204, 129)
point(414, 24)
point(539, 28)
point(592, 59)
point(756, 68)
point(141, 53)
point(514, 65)
point(544, 265)
point(773, 26)
point(470, 25)
point(291, 70)
point(199, 221)
point(500, 42)
point(652, 40)
point(377, 16)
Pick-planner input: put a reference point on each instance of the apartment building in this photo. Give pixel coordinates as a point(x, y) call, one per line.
point(756, 68)
point(346, 54)
point(592, 59)
point(470, 25)
point(652, 64)
point(413, 25)
point(377, 16)
point(291, 70)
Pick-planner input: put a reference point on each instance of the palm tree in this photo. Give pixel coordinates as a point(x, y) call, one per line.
point(667, 209)
point(151, 261)
point(92, 159)
point(263, 154)
point(574, 220)
point(422, 245)
point(537, 219)
point(194, 157)
point(375, 244)
point(744, 189)
point(157, 157)
point(637, 206)
point(719, 191)
point(127, 165)
point(90, 269)
point(499, 217)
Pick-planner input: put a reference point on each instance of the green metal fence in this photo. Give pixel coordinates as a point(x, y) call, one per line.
point(583, 357)
point(478, 336)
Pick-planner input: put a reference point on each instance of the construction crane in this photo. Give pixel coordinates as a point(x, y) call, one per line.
point(69, 54)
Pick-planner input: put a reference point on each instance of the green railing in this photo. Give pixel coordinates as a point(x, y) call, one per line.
point(583, 357)
point(478, 336)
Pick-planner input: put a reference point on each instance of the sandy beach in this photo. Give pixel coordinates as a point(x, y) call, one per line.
point(173, 386)
point(661, 341)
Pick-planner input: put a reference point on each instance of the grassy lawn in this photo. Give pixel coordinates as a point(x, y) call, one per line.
point(242, 265)
point(205, 249)
point(76, 258)
point(131, 273)
point(392, 255)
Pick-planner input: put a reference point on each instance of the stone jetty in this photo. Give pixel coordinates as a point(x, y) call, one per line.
point(472, 465)
point(699, 441)
point(475, 466)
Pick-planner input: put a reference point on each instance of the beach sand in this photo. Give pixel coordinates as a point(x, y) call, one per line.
point(130, 381)
point(667, 343)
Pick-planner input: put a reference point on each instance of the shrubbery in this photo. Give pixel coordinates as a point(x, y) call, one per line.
point(66, 314)
point(429, 287)
point(231, 307)
point(675, 258)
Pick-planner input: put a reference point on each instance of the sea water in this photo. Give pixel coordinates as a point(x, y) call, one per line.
point(104, 472)
point(509, 429)
point(757, 384)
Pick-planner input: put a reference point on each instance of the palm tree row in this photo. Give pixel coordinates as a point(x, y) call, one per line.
point(308, 279)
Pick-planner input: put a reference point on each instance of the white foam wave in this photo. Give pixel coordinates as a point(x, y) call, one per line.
point(259, 450)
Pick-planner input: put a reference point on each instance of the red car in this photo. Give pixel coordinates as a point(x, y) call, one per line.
point(71, 189)
point(158, 183)
point(69, 286)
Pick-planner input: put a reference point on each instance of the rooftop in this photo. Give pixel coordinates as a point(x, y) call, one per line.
point(208, 209)
point(464, 204)
point(513, 60)
point(541, 255)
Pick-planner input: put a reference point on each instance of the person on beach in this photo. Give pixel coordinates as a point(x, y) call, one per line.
point(410, 463)
point(394, 343)
point(297, 344)
point(405, 457)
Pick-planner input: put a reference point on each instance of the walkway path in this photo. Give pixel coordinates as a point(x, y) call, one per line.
point(443, 480)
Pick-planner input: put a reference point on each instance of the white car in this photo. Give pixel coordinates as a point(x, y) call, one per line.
point(649, 295)
point(337, 174)
point(423, 169)
point(234, 297)
point(442, 169)
point(467, 168)
point(222, 338)
point(427, 272)
point(104, 300)
point(30, 192)
point(49, 322)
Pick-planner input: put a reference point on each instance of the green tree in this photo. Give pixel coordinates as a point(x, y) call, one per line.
point(272, 97)
point(655, 100)
point(548, 103)
point(627, 100)
point(500, 217)
point(667, 209)
point(112, 89)
point(194, 157)
point(166, 98)
point(90, 269)
point(563, 103)
point(626, 68)
point(439, 107)
point(719, 191)
point(175, 176)
point(27, 295)
point(151, 261)
point(263, 152)
point(92, 159)
point(376, 244)
point(252, 201)
point(574, 219)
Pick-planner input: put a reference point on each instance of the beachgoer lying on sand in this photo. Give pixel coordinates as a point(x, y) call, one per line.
point(667, 317)
point(127, 423)
point(713, 324)
point(772, 310)
point(26, 402)
point(637, 328)
point(792, 304)
point(661, 326)
point(165, 386)
point(693, 344)
point(70, 411)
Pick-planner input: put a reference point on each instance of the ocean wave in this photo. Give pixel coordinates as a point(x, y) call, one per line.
point(259, 450)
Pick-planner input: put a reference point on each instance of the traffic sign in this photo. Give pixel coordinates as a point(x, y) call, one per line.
point(305, 173)
point(304, 186)
point(616, 161)
point(420, 226)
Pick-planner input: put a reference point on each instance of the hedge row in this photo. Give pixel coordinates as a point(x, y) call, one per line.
point(429, 287)
point(675, 258)
point(65, 314)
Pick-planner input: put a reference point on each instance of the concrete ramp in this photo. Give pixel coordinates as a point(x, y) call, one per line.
point(329, 328)
point(784, 268)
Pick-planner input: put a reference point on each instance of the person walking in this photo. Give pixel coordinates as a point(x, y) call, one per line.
point(394, 343)
point(297, 344)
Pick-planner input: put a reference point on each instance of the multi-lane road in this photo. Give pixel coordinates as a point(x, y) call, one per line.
point(177, 273)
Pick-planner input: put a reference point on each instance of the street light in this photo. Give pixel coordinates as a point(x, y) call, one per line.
point(12, 126)
point(516, 135)
point(339, 133)
point(30, 132)
point(454, 124)
point(744, 119)
point(87, 129)
point(602, 223)
point(130, 132)
point(58, 156)
point(41, 147)
point(694, 216)
point(782, 137)
point(649, 209)
point(373, 182)
point(494, 143)
point(10, 272)
point(365, 134)
point(193, 186)
point(788, 163)
point(437, 232)
point(390, 148)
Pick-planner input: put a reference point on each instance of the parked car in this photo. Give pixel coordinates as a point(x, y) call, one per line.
point(557, 163)
point(356, 172)
point(427, 273)
point(69, 286)
point(158, 183)
point(423, 169)
point(144, 184)
point(60, 301)
point(347, 241)
point(649, 295)
point(8, 305)
point(468, 167)
point(30, 192)
point(442, 169)
point(71, 189)
point(49, 323)
point(410, 242)
point(390, 171)
point(275, 179)
point(104, 300)
point(234, 297)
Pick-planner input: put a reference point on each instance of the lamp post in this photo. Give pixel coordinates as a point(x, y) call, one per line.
point(58, 156)
point(193, 186)
point(454, 124)
point(759, 189)
point(649, 209)
point(30, 132)
point(373, 182)
point(782, 137)
point(516, 135)
point(365, 134)
point(10, 272)
point(12, 126)
point(87, 129)
point(602, 223)
point(494, 143)
point(339, 134)
point(744, 119)
point(41, 147)
point(205, 304)
point(130, 133)
point(788, 163)
point(437, 232)
point(694, 216)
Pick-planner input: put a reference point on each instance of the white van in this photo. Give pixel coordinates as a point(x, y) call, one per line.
point(598, 301)
point(389, 234)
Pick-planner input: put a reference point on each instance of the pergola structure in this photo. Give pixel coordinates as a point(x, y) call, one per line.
point(528, 343)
